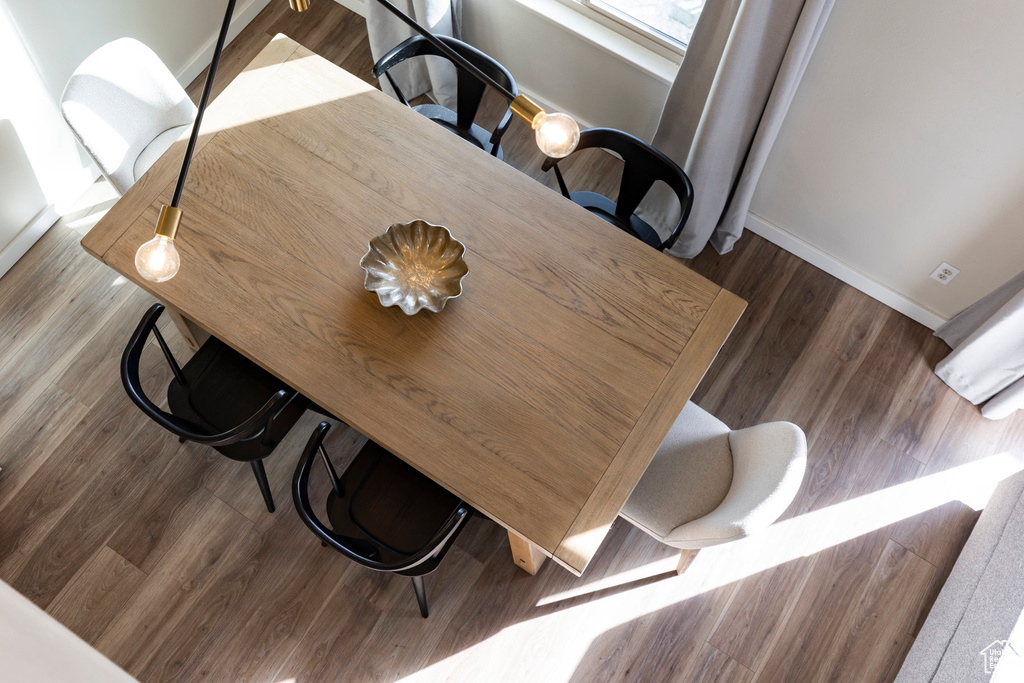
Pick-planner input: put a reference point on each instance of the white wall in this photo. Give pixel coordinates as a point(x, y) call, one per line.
point(39, 151)
point(41, 43)
point(905, 147)
point(582, 72)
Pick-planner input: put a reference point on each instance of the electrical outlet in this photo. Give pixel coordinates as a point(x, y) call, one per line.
point(944, 273)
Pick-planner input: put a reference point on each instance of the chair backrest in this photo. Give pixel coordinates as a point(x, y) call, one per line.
point(470, 89)
point(118, 101)
point(768, 465)
point(643, 166)
point(365, 551)
point(253, 427)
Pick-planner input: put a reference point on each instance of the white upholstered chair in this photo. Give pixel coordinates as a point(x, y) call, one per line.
point(709, 484)
point(126, 109)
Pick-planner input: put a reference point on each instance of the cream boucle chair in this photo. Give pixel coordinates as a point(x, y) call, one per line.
point(708, 484)
point(126, 109)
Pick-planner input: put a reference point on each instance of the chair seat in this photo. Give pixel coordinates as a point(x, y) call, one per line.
point(476, 135)
point(605, 208)
point(392, 506)
point(688, 478)
point(155, 149)
point(223, 390)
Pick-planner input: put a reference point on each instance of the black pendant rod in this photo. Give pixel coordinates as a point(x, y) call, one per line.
point(447, 51)
point(202, 103)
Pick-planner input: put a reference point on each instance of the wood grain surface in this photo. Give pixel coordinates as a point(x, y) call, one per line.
point(539, 396)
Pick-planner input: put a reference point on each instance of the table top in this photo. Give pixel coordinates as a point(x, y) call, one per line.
point(539, 396)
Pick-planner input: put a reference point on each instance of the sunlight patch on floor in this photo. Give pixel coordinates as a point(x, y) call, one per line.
point(551, 645)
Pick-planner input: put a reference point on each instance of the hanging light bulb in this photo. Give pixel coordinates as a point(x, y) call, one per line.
point(557, 134)
point(157, 260)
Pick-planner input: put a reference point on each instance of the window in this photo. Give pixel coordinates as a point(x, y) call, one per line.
point(669, 22)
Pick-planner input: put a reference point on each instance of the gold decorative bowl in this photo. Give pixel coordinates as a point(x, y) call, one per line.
point(415, 265)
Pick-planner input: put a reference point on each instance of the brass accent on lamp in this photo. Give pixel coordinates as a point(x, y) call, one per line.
point(526, 109)
point(557, 134)
point(299, 5)
point(157, 260)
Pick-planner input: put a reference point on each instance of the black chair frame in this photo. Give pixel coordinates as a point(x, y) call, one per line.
point(643, 166)
point(470, 88)
point(257, 426)
point(415, 564)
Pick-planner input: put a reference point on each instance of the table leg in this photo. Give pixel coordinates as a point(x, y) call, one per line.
point(686, 558)
point(527, 556)
point(193, 334)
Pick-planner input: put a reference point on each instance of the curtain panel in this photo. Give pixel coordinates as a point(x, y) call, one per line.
point(431, 75)
point(725, 108)
point(987, 362)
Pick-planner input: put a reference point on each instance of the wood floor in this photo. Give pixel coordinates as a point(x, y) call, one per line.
point(162, 556)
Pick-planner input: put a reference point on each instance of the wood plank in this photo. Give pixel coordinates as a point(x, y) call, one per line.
point(24, 448)
point(96, 594)
point(86, 524)
point(889, 607)
point(169, 508)
point(794, 320)
point(917, 422)
point(601, 509)
point(762, 297)
point(296, 577)
point(138, 633)
point(817, 378)
point(58, 484)
point(712, 664)
point(751, 623)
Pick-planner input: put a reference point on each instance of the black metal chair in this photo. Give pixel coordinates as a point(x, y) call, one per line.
point(383, 513)
point(219, 398)
point(470, 90)
point(643, 166)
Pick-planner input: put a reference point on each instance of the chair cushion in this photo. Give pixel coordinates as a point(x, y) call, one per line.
point(476, 135)
point(688, 478)
point(601, 206)
point(768, 467)
point(155, 149)
point(390, 504)
point(224, 390)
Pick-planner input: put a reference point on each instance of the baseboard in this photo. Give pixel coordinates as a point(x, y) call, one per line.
point(24, 240)
point(837, 268)
point(202, 58)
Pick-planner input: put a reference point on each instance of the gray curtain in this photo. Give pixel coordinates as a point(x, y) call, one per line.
point(726, 107)
point(430, 75)
point(987, 362)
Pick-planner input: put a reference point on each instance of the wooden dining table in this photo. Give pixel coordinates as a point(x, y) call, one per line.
point(539, 396)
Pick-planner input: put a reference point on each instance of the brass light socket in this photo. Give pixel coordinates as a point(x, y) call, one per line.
point(526, 109)
point(167, 223)
point(299, 5)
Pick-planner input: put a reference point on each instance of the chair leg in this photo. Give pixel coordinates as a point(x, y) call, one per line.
point(261, 479)
point(421, 594)
point(685, 559)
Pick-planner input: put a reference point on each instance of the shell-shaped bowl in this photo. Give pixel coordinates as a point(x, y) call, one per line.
point(415, 265)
